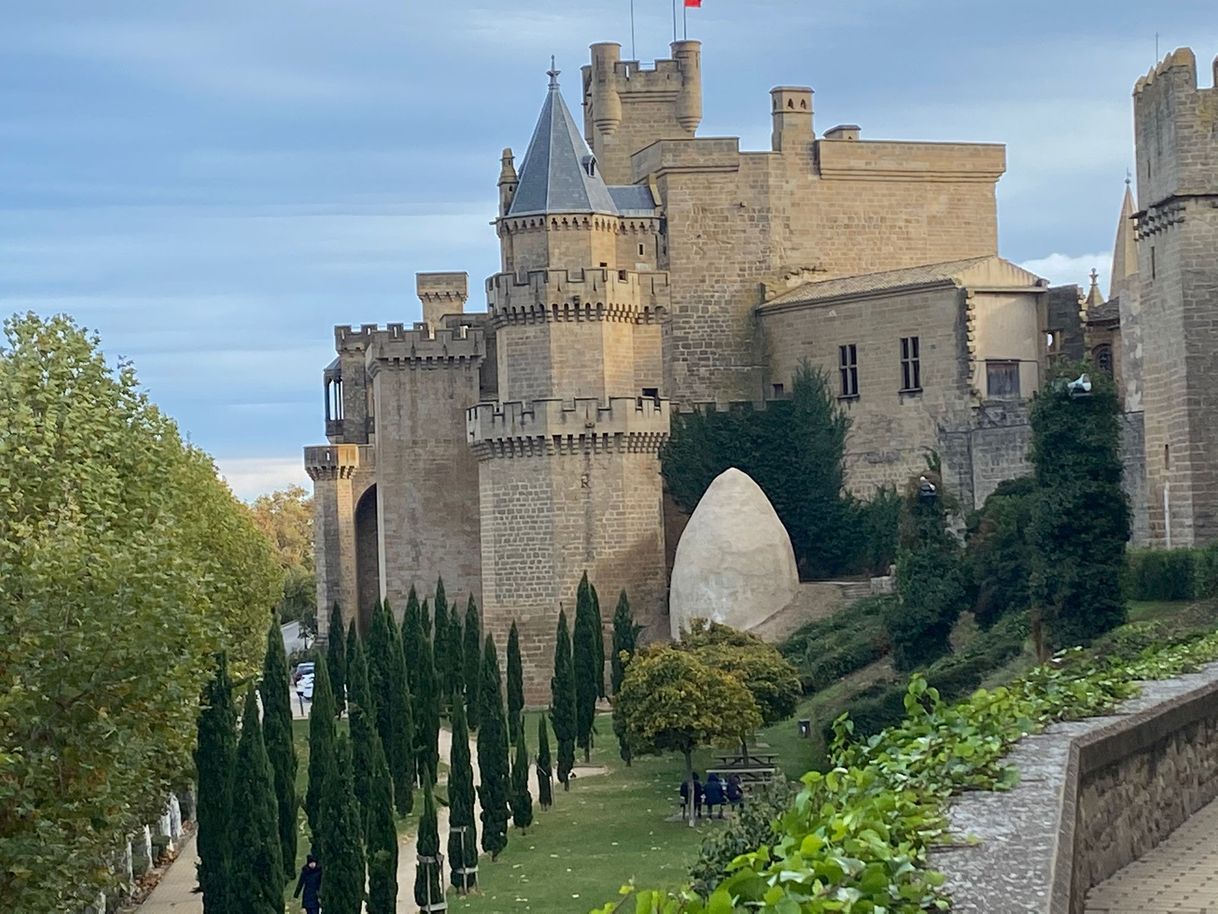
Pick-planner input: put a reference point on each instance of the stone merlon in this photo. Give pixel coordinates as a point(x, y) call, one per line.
point(551, 426)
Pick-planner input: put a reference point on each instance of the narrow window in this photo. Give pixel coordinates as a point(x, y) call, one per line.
point(911, 364)
point(1153, 270)
point(1002, 379)
point(640, 250)
point(1103, 358)
point(1167, 456)
point(779, 391)
point(848, 370)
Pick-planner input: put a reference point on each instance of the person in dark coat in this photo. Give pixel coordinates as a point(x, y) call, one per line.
point(697, 794)
point(735, 792)
point(715, 795)
point(310, 884)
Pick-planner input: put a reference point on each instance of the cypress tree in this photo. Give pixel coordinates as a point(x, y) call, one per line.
point(427, 888)
point(598, 626)
point(545, 785)
point(493, 756)
point(625, 643)
point(277, 734)
point(394, 720)
point(515, 687)
point(439, 642)
point(215, 758)
point(361, 714)
point(562, 702)
point(256, 870)
point(342, 874)
point(336, 657)
point(381, 835)
point(322, 735)
point(412, 640)
point(522, 801)
point(473, 661)
point(427, 714)
point(403, 731)
point(583, 648)
point(462, 830)
point(454, 672)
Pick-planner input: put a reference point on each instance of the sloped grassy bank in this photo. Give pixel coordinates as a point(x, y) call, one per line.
point(856, 838)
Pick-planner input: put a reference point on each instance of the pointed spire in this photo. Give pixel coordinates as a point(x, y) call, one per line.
point(1125, 251)
point(559, 174)
point(1094, 297)
point(553, 72)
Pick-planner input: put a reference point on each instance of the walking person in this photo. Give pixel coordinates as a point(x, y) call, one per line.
point(715, 795)
point(309, 884)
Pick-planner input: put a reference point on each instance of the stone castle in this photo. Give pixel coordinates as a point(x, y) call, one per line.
point(647, 269)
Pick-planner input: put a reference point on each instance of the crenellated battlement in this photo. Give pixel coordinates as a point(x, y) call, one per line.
point(554, 426)
point(422, 344)
point(590, 295)
point(333, 461)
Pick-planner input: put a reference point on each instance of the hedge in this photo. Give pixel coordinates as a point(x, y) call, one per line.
point(1161, 574)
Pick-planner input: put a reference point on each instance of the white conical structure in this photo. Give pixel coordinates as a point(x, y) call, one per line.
point(734, 564)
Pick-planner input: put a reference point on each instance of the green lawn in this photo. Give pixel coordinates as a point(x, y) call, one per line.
point(607, 829)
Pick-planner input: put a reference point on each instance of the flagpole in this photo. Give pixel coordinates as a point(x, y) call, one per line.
point(634, 55)
point(674, 20)
point(685, 20)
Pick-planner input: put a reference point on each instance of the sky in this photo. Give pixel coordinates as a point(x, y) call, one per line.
point(212, 186)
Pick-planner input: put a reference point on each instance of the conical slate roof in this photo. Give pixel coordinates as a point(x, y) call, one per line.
point(559, 173)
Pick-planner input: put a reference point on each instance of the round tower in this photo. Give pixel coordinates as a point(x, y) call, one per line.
point(689, 103)
point(606, 103)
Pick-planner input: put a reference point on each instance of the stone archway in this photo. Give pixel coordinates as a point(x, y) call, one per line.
point(367, 558)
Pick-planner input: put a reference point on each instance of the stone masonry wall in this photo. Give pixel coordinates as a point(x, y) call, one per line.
point(546, 518)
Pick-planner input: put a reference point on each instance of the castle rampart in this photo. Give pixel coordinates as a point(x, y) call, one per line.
point(563, 295)
point(552, 426)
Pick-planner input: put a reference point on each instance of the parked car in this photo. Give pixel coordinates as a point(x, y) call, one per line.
point(302, 669)
point(305, 687)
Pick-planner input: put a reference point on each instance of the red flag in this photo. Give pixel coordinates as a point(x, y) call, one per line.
point(695, 4)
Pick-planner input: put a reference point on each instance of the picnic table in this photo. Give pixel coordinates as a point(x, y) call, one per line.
point(753, 764)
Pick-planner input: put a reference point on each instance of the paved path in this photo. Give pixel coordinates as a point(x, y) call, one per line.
point(173, 894)
point(1179, 876)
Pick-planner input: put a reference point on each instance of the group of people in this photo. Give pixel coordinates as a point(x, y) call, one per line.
point(716, 792)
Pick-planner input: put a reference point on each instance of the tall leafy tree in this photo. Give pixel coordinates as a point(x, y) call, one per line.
point(515, 686)
point(390, 696)
point(427, 888)
point(462, 830)
point(336, 658)
point(522, 800)
point(1080, 516)
point(285, 517)
point(413, 637)
point(439, 641)
point(545, 776)
point(493, 755)
point(277, 733)
point(361, 714)
point(584, 649)
point(427, 714)
point(473, 661)
point(322, 738)
point(405, 765)
point(215, 758)
point(625, 643)
point(342, 876)
point(256, 869)
point(125, 564)
point(454, 671)
point(930, 576)
point(795, 450)
point(381, 839)
point(598, 627)
point(562, 702)
point(674, 702)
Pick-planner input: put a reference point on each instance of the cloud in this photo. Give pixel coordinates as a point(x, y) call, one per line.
point(1072, 269)
point(250, 477)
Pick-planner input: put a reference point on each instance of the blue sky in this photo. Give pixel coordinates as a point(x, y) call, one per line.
point(213, 185)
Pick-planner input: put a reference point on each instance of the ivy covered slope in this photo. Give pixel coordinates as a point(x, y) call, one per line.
point(857, 837)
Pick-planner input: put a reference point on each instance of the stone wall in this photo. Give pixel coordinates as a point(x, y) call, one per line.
point(1133, 461)
point(1093, 795)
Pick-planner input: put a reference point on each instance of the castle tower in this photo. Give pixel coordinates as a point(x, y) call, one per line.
point(1176, 131)
point(568, 468)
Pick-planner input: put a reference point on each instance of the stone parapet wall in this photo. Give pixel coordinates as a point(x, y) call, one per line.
point(563, 295)
point(636, 425)
point(1093, 796)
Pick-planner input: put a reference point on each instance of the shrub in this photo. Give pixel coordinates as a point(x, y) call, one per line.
point(826, 650)
point(878, 520)
point(1206, 580)
point(753, 827)
point(1161, 574)
point(998, 556)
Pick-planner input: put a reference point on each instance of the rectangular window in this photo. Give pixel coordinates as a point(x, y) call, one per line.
point(1153, 270)
point(651, 393)
point(848, 370)
point(1002, 379)
point(911, 364)
point(779, 391)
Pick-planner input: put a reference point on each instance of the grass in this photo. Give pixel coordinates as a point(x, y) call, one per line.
point(607, 829)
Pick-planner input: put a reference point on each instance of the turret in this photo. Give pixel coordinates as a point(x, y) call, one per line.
point(507, 180)
point(606, 103)
point(688, 54)
point(441, 294)
point(791, 110)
